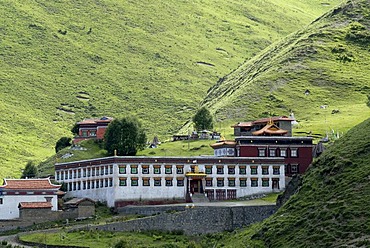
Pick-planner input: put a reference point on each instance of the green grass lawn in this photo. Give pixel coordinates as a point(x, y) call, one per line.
point(64, 61)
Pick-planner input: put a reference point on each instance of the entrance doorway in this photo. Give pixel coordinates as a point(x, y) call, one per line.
point(275, 184)
point(196, 186)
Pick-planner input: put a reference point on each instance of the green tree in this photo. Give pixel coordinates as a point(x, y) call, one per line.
point(126, 136)
point(203, 119)
point(75, 129)
point(30, 171)
point(62, 143)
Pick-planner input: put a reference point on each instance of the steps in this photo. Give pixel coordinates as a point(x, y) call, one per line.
point(198, 197)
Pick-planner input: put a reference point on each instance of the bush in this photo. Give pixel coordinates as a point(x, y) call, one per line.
point(62, 143)
point(121, 244)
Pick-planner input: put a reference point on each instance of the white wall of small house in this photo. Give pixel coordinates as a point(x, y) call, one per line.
point(9, 209)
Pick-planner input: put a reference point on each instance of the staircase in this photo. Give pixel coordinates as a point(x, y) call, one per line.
point(198, 197)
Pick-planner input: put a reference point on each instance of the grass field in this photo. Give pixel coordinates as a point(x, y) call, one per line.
point(62, 61)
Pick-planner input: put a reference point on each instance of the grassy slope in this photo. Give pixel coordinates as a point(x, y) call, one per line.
point(139, 57)
point(274, 82)
point(331, 207)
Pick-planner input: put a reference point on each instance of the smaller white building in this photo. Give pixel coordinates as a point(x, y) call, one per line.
point(13, 192)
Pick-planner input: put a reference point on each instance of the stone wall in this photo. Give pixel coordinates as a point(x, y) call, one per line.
point(198, 220)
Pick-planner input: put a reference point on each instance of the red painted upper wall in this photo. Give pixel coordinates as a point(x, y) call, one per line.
point(92, 129)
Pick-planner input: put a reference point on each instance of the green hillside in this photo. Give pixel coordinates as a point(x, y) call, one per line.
point(61, 61)
point(330, 208)
point(330, 59)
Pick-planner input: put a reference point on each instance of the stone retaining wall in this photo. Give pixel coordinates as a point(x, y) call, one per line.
point(198, 220)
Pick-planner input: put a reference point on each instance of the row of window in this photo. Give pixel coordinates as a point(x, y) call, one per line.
point(88, 133)
point(108, 170)
point(85, 172)
point(231, 182)
point(273, 152)
point(94, 184)
point(209, 170)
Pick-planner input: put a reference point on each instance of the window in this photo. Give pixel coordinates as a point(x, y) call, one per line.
point(168, 182)
point(168, 170)
point(58, 176)
point(111, 169)
point(180, 182)
point(84, 172)
point(1, 201)
point(92, 133)
point(78, 174)
point(231, 182)
point(146, 182)
point(145, 169)
point(293, 152)
point(157, 170)
point(261, 152)
point(83, 185)
point(243, 182)
point(93, 172)
point(276, 170)
point(242, 170)
point(231, 170)
point(180, 169)
point(74, 174)
point(265, 170)
point(102, 170)
point(209, 182)
point(134, 181)
point(88, 185)
point(122, 182)
point(272, 152)
point(101, 183)
point(84, 133)
point(106, 170)
point(220, 170)
point(66, 175)
point(97, 184)
point(265, 182)
point(282, 152)
point(133, 169)
point(110, 182)
point(88, 172)
point(70, 174)
point(253, 170)
point(122, 170)
point(294, 168)
point(92, 184)
point(157, 182)
point(220, 182)
point(79, 186)
point(208, 169)
point(254, 182)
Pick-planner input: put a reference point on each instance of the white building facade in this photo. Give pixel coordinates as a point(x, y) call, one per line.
point(120, 179)
point(16, 191)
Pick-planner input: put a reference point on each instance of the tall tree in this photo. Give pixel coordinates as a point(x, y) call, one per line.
point(126, 136)
point(75, 129)
point(30, 171)
point(62, 143)
point(203, 119)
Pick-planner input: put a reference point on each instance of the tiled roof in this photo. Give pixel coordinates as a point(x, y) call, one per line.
point(243, 124)
point(270, 129)
point(34, 184)
point(95, 120)
point(35, 205)
point(275, 118)
point(224, 143)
